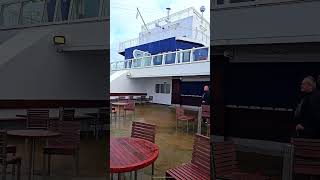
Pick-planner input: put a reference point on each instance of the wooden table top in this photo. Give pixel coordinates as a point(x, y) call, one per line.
point(129, 154)
point(33, 133)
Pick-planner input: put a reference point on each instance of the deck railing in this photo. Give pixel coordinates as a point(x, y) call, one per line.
point(170, 58)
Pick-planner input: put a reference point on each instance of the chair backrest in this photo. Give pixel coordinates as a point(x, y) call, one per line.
point(131, 105)
point(306, 156)
point(179, 112)
point(201, 152)
point(67, 114)
point(205, 111)
point(120, 98)
point(37, 118)
point(150, 98)
point(103, 115)
point(3, 146)
point(143, 97)
point(69, 134)
point(224, 154)
point(144, 131)
point(130, 97)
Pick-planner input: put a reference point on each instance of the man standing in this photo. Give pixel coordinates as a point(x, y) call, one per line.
point(206, 96)
point(308, 111)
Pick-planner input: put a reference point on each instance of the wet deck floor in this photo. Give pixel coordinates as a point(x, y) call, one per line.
point(175, 146)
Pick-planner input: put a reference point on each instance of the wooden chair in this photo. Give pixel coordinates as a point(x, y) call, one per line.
point(199, 167)
point(37, 119)
point(130, 107)
point(150, 99)
point(144, 131)
point(205, 115)
point(180, 116)
point(67, 143)
point(306, 156)
point(5, 161)
point(67, 115)
point(226, 165)
point(121, 98)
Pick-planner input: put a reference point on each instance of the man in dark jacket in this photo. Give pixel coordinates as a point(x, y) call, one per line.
point(206, 96)
point(308, 111)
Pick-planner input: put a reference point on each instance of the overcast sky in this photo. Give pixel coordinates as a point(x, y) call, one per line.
point(125, 26)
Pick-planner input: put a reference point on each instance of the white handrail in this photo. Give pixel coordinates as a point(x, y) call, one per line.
point(180, 57)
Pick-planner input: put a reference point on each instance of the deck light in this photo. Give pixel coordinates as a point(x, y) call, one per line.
point(59, 40)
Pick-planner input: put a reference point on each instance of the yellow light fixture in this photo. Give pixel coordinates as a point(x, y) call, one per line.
point(58, 40)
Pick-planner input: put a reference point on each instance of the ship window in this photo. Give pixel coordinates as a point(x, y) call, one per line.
point(186, 56)
point(85, 9)
point(106, 8)
point(238, 1)
point(32, 12)
point(220, 1)
point(200, 54)
point(49, 11)
point(157, 60)
point(163, 88)
point(170, 58)
point(10, 14)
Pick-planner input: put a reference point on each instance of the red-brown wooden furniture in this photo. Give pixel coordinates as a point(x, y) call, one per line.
point(67, 143)
point(144, 131)
point(129, 154)
point(37, 118)
point(180, 116)
point(199, 167)
point(130, 107)
point(5, 161)
point(205, 114)
point(226, 165)
point(306, 156)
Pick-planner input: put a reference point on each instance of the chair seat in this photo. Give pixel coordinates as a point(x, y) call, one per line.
point(63, 150)
point(188, 171)
point(11, 149)
point(14, 160)
point(186, 118)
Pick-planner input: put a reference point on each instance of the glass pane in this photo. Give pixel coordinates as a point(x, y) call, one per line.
point(32, 12)
point(161, 88)
point(167, 89)
point(157, 60)
point(86, 9)
point(186, 56)
point(147, 61)
point(157, 88)
point(106, 8)
point(170, 58)
point(200, 54)
point(50, 9)
point(10, 15)
point(137, 62)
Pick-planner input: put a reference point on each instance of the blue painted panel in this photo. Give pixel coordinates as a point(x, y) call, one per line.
point(51, 5)
point(65, 5)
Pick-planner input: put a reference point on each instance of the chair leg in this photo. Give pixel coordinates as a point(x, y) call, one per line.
point(187, 126)
point(18, 170)
point(4, 171)
point(13, 171)
point(49, 162)
point(76, 161)
point(176, 125)
point(152, 170)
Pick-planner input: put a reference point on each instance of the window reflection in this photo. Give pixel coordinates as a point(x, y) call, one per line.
point(49, 13)
point(10, 14)
point(86, 9)
point(32, 12)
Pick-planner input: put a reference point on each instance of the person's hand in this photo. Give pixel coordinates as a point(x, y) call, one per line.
point(299, 127)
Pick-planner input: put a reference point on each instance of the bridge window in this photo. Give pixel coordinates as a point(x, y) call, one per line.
point(157, 60)
point(32, 12)
point(86, 9)
point(200, 54)
point(10, 14)
point(170, 58)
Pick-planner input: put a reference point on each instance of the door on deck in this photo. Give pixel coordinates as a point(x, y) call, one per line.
point(176, 91)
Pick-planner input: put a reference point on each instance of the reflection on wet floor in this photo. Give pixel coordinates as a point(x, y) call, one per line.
point(92, 163)
point(175, 146)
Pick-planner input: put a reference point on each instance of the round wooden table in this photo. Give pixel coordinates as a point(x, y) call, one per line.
point(33, 135)
point(131, 154)
point(119, 105)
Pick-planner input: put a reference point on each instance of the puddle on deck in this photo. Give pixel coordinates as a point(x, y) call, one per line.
point(175, 146)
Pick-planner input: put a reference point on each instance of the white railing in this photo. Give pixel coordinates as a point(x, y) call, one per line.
point(170, 58)
point(197, 35)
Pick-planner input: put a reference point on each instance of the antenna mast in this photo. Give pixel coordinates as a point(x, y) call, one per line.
point(142, 20)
